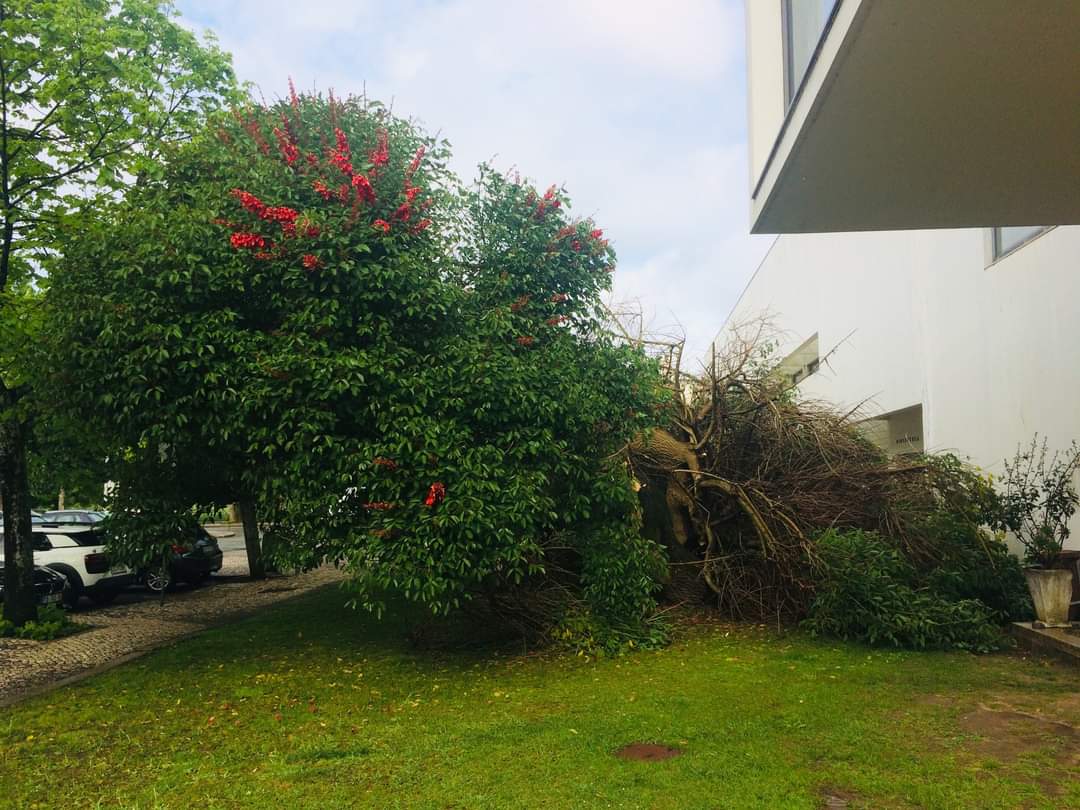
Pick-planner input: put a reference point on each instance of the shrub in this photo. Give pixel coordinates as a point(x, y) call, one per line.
point(52, 622)
point(867, 591)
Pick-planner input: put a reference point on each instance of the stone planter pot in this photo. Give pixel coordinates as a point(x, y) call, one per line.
point(1051, 591)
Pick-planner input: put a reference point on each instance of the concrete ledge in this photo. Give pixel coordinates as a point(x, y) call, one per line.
point(1063, 644)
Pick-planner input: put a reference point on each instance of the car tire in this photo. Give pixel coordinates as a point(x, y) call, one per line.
point(156, 581)
point(103, 598)
point(69, 598)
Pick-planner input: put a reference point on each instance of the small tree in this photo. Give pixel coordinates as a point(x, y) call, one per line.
point(1038, 499)
point(90, 91)
point(407, 378)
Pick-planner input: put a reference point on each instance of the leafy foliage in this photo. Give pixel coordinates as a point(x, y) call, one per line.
point(1038, 499)
point(90, 92)
point(409, 376)
point(869, 592)
point(51, 622)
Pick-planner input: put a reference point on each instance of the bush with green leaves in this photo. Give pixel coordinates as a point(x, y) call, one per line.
point(52, 622)
point(868, 591)
point(409, 376)
point(1038, 499)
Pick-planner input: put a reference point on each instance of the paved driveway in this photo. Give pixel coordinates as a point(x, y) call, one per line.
point(138, 622)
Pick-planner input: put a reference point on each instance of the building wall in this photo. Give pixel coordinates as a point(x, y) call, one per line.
point(765, 76)
point(989, 350)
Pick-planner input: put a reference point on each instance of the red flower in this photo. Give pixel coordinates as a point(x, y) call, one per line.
point(569, 230)
point(312, 159)
point(312, 231)
point(378, 506)
point(419, 156)
point(288, 150)
point(557, 320)
point(576, 245)
point(242, 239)
point(597, 234)
point(436, 494)
point(255, 131)
point(403, 212)
point(321, 189)
point(389, 463)
point(311, 261)
point(530, 198)
point(381, 225)
point(263, 256)
point(249, 201)
point(341, 155)
point(550, 193)
point(558, 298)
point(280, 213)
point(422, 225)
point(381, 155)
point(293, 98)
point(525, 340)
point(363, 189)
point(411, 192)
point(519, 304)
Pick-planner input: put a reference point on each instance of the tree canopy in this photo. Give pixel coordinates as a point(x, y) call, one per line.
point(409, 375)
point(91, 91)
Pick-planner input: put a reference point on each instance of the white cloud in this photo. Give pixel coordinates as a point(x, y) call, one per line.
point(637, 107)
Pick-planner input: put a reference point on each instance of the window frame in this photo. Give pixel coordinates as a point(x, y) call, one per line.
point(993, 243)
point(792, 85)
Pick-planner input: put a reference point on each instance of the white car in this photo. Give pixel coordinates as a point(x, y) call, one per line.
point(78, 552)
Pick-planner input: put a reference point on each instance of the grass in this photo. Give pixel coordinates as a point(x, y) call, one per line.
point(313, 705)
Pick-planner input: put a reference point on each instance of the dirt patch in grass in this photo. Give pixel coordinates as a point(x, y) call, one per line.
point(647, 752)
point(833, 798)
point(1007, 733)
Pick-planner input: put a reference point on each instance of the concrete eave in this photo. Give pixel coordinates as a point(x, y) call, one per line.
point(931, 114)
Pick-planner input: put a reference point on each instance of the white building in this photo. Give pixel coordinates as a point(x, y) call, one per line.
point(889, 141)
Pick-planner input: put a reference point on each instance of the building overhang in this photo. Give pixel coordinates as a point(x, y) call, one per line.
point(931, 114)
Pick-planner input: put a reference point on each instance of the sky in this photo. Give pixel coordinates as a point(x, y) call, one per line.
point(637, 108)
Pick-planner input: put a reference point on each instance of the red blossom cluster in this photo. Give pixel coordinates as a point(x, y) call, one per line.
point(286, 146)
point(415, 164)
point(403, 212)
point(380, 156)
point(388, 463)
point(294, 99)
point(311, 261)
point(559, 298)
point(321, 189)
point(525, 340)
point(378, 506)
point(341, 155)
point(520, 304)
point(422, 225)
point(242, 239)
point(364, 191)
point(381, 225)
point(556, 320)
point(436, 494)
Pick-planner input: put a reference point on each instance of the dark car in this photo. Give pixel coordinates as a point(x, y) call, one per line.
point(192, 562)
point(35, 519)
point(48, 584)
point(78, 517)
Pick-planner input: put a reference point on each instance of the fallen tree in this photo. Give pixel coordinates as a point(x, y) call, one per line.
point(746, 478)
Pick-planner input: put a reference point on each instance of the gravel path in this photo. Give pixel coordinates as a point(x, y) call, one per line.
point(123, 631)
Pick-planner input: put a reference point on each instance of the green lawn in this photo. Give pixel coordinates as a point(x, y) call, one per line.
point(313, 705)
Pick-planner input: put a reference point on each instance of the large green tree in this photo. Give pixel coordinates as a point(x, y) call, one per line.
point(406, 376)
point(90, 92)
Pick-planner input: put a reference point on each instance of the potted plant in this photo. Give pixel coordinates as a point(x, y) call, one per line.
point(1036, 501)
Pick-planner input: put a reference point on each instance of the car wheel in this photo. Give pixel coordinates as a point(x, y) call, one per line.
point(102, 598)
point(69, 598)
point(157, 580)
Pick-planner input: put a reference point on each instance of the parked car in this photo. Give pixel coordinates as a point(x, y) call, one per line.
point(35, 519)
point(80, 517)
point(79, 553)
point(190, 562)
point(48, 584)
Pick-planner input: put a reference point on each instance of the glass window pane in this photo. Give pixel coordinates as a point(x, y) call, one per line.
point(1006, 239)
point(804, 22)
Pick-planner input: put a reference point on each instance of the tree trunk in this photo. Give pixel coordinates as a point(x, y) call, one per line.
point(248, 516)
point(20, 602)
point(60, 500)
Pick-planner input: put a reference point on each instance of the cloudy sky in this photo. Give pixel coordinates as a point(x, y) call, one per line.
point(638, 108)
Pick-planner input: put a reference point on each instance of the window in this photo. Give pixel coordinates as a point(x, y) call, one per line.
point(804, 23)
point(1006, 240)
point(801, 363)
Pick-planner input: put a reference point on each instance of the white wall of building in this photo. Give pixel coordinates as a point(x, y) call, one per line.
point(990, 350)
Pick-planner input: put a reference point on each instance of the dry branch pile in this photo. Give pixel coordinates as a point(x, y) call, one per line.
point(746, 475)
